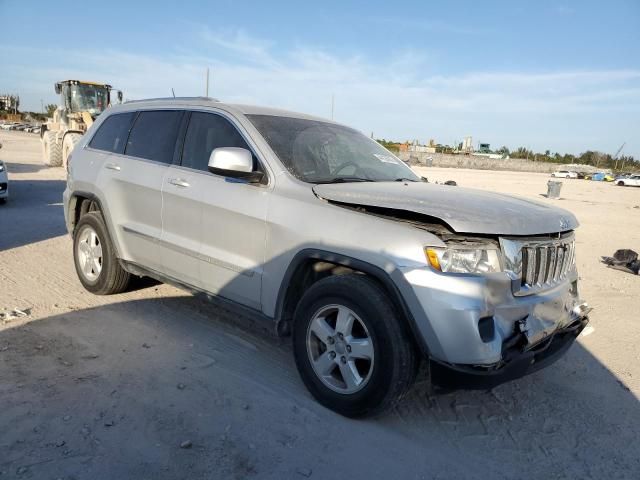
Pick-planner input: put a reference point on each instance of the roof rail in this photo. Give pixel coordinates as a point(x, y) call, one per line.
point(164, 99)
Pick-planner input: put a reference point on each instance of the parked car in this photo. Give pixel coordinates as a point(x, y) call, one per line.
point(630, 181)
point(602, 177)
point(564, 174)
point(315, 228)
point(4, 183)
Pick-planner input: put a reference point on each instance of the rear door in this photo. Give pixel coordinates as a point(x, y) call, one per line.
point(133, 184)
point(213, 225)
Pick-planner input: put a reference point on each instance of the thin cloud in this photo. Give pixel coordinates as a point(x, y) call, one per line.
point(401, 102)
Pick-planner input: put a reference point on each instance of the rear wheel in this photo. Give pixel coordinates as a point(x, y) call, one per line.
point(96, 263)
point(351, 346)
point(621, 184)
point(51, 150)
point(69, 143)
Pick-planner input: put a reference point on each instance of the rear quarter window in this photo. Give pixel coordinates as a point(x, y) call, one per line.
point(154, 135)
point(112, 134)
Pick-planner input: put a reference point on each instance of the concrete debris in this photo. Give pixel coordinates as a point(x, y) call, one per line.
point(8, 316)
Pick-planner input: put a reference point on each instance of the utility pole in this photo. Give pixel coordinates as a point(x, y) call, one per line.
point(618, 153)
point(42, 105)
point(207, 88)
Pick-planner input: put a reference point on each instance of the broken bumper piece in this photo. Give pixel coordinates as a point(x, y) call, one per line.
point(520, 357)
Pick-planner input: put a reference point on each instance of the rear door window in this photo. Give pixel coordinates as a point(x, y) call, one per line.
point(206, 132)
point(154, 134)
point(112, 134)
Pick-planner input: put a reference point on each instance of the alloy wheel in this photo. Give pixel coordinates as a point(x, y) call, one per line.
point(340, 349)
point(89, 253)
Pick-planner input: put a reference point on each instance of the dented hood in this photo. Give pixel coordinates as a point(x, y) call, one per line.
point(464, 210)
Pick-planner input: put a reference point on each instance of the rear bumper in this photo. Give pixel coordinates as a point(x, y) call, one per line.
point(517, 361)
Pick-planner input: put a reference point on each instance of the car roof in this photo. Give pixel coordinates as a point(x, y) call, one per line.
point(212, 102)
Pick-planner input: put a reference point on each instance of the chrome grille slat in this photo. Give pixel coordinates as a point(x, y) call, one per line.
point(552, 265)
point(544, 262)
point(531, 265)
point(560, 263)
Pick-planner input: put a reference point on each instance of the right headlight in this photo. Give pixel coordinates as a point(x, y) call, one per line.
point(464, 259)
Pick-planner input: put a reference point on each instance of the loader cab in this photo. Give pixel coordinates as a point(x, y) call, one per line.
point(80, 96)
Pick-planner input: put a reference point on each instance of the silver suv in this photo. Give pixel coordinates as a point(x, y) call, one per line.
point(312, 226)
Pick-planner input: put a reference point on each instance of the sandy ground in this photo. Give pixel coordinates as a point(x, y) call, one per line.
point(110, 387)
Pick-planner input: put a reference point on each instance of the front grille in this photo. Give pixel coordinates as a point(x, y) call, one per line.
point(539, 264)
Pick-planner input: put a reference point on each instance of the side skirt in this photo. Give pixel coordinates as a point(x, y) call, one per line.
point(254, 315)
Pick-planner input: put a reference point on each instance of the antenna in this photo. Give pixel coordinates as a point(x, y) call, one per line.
point(173, 93)
point(332, 102)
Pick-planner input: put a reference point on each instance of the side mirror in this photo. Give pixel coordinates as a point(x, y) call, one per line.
point(58, 88)
point(235, 163)
point(119, 96)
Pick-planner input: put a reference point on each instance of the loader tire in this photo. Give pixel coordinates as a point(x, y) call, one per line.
point(51, 150)
point(69, 143)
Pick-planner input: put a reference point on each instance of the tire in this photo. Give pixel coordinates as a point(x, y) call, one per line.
point(378, 330)
point(621, 184)
point(103, 275)
point(68, 144)
point(51, 150)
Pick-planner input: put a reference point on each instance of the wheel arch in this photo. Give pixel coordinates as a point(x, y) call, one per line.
point(295, 282)
point(82, 202)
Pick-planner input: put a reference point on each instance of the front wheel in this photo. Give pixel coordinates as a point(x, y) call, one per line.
point(352, 347)
point(621, 184)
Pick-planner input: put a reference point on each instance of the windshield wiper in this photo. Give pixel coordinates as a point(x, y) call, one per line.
point(405, 179)
point(344, 180)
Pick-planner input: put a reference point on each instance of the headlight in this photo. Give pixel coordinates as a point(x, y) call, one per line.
point(1, 167)
point(464, 260)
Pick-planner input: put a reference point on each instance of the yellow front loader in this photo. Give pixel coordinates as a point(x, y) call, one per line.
point(80, 103)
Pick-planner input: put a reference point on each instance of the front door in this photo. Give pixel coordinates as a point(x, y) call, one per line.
point(227, 217)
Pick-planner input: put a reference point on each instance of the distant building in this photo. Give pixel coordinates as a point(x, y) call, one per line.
point(9, 103)
point(422, 149)
point(467, 144)
point(484, 148)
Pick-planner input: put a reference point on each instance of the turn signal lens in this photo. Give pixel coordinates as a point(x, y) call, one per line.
point(432, 256)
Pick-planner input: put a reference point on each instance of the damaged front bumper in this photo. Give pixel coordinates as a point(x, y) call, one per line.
point(519, 359)
point(478, 334)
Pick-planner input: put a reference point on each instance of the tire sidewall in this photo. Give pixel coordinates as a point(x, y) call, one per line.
point(374, 392)
point(94, 220)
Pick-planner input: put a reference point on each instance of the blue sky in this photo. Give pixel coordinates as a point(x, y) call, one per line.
point(543, 74)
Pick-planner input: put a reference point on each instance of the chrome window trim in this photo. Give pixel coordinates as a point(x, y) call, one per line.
point(255, 150)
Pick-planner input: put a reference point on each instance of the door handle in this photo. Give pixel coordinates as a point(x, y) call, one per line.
point(178, 182)
point(112, 166)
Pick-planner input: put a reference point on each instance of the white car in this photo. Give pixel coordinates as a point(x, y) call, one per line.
point(564, 174)
point(632, 181)
point(4, 182)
